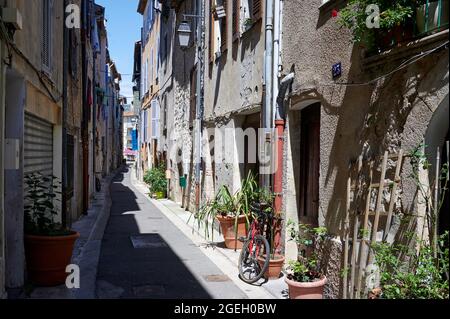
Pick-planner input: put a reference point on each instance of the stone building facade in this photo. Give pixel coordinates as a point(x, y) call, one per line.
point(149, 85)
point(233, 92)
point(47, 114)
point(385, 101)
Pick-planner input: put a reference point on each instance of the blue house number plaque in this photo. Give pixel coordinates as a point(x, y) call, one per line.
point(337, 70)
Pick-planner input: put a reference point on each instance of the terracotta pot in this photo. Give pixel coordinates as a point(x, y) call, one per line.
point(229, 232)
point(275, 266)
point(306, 290)
point(47, 258)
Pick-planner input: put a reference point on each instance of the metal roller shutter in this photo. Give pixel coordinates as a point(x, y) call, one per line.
point(38, 148)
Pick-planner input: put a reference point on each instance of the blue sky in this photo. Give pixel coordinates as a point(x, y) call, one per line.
point(124, 29)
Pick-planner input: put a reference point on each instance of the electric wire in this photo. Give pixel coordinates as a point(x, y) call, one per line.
point(404, 64)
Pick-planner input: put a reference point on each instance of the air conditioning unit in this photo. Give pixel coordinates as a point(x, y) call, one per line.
point(12, 16)
point(220, 12)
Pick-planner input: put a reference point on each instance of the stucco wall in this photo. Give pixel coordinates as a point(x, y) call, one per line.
point(389, 114)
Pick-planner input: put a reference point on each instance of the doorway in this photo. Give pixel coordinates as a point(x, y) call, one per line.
point(309, 165)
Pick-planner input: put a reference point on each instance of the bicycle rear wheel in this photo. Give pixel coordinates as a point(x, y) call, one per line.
point(250, 269)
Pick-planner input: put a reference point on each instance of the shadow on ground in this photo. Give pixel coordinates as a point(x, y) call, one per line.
point(136, 265)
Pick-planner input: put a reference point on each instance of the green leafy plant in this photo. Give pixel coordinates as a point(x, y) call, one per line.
point(419, 162)
point(418, 269)
point(156, 179)
point(266, 199)
point(226, 204)
point(248, 22)
point(306, 267)
point(418, 276)
point(40, 206)
point(392, 13)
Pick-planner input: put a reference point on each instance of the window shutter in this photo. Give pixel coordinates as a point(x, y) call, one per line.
point(193, 104)
point(145, 126)
point(211, 32)
point(223, 28)
point(235, 24)
point(46, 34)
point(155, 119)
point(257, 10)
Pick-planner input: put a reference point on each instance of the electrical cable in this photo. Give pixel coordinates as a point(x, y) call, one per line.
point(38, 72)
point(404, 64)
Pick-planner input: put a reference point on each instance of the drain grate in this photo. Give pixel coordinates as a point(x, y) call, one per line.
point(147, 241)
point(217, 278)
point(149, 291)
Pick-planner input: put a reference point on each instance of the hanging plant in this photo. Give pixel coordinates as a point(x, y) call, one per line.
point(392, 14)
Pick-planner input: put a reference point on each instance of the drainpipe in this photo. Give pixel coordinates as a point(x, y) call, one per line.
point(85, 121)
point(200, 97)
point(268, 73)
point(276, 55)
point(276, 164)
point(64, 118)
point(280, 123)
point(94, 111)
point(2, 179)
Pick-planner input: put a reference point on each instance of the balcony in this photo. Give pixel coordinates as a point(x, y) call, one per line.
point(429, 18)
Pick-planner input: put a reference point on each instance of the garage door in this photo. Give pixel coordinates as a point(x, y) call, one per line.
point(38, 148)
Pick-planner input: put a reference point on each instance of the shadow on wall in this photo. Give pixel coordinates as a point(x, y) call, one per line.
point(372, 119)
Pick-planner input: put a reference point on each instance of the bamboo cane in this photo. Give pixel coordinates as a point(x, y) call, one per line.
point(355, 234)
point(365, 238)
point(394, 196)
point(346, 236)
point(436, 203)
point(378, 206)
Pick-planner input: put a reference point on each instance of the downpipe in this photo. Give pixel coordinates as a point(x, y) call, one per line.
point(280, 124)
point(268, 79)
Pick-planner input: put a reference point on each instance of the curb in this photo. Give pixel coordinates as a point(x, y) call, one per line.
point(89, 254)
point(230, 266)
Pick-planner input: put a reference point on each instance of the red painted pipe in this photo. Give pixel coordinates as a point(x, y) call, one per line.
point(278, 177)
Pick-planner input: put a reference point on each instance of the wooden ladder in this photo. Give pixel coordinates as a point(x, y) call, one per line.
point(359, 260)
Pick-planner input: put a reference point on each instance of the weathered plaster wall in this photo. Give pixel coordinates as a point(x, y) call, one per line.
point(367, 120)
point(233, 89)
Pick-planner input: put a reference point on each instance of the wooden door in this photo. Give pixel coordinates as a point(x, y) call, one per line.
point(309, 165)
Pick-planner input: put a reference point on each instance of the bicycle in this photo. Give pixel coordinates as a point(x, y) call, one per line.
point(256, 247)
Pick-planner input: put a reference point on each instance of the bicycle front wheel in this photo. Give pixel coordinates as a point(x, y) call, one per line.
point(254, 259)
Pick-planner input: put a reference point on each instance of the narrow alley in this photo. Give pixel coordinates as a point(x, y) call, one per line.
point(144, 255)
point(224, 149)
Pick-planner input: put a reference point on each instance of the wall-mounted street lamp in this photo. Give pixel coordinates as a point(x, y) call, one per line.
point(184, 34)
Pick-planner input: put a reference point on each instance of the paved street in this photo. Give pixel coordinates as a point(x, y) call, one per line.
point(144, 255)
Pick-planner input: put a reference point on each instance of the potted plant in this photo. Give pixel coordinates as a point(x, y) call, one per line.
point(276, 261)
point(393, 22)
point(156, 179)
point(48, 245)
point(305, 280)
point(407, 272)
point(248, 23)
point(233, 212)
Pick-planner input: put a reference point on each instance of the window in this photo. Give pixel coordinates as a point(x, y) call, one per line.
point(146, 82)
point(46, 34)
point(193, 98)
point(235, 17)
point(250, 13)
point(155, 119)
point(152, 75)
point(145, 126)
point(211, 32)
point(218, 29)
point(223, 28)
